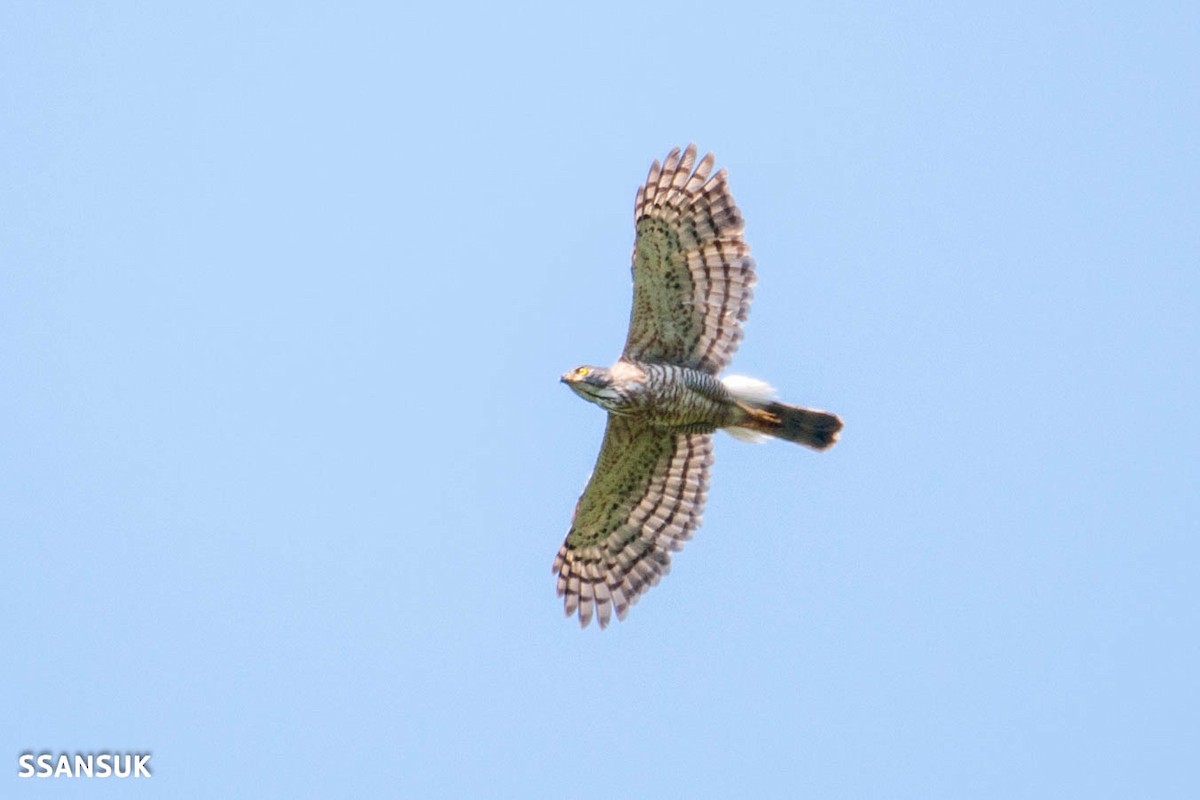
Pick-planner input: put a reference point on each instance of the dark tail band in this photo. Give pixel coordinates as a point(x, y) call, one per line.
point(806, 426)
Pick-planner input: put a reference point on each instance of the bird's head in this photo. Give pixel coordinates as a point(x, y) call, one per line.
point(594, 384)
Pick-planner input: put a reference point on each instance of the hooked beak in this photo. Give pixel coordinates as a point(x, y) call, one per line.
point(567, 377)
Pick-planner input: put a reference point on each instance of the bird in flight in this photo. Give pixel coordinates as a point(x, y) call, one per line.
point(692, 279)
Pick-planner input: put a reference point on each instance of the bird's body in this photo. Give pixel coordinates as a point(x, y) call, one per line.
point(663, 395)
point(692, 286)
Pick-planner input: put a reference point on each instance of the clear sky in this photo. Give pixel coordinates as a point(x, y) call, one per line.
point(285, 293)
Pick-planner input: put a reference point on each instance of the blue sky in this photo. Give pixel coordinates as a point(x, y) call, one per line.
point(286, 292)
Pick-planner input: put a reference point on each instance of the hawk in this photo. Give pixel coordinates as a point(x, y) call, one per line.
point(692, 279)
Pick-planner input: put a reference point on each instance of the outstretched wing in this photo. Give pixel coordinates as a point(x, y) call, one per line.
point(692, 273)
point(644, 500)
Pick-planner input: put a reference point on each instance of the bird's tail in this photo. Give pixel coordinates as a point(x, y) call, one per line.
point(765, 416)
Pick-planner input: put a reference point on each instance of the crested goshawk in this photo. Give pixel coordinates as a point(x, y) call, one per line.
point(692, 279)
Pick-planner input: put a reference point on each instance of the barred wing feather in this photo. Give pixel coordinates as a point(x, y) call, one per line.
point(692, 272)
point(644, 499)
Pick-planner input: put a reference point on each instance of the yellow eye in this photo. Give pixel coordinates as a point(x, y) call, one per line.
point(583, 371)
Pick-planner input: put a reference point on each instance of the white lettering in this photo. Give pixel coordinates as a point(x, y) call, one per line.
point(84, 765)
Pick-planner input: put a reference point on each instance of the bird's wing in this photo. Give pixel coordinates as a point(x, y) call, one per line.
point(644, 499)
point(692, 273)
